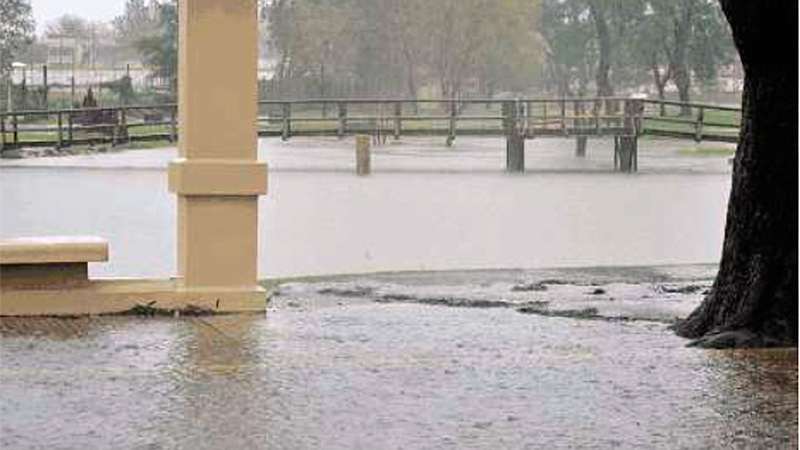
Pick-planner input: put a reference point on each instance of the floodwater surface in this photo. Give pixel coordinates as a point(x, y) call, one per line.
point(570, 350)
point(425, 207)
point(482, 359)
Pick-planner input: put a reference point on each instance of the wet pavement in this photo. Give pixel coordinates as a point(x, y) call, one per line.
point(406, 360)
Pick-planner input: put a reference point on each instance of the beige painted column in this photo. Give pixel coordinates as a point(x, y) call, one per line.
point(217, 176)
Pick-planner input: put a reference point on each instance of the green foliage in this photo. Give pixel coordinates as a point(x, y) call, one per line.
point(398, 47)
point(160, 49)
point(667, 40)
point(16, 31)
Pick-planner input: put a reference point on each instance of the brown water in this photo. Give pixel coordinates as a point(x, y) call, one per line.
point(424, 208)
point(417, 360)
point(332, 365)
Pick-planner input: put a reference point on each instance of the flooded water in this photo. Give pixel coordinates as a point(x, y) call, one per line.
point(425, 207)
point(572, 349)
point(479, 359)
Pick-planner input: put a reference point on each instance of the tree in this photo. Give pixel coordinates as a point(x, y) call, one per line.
point(16, 32)
point(677, 40)
point(569, 38)
point(753, 301)
point(137, 21)
point(160, 50)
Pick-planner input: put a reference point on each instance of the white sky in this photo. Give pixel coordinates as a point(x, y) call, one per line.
point(46, 10)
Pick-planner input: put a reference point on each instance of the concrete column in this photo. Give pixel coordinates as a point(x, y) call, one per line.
point(217, 176)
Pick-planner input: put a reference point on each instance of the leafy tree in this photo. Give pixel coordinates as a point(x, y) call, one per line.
point(160, 50)
point(16, 32)
point(679, 40)
point(569, 46)
point(396, 46)
point(139, 20)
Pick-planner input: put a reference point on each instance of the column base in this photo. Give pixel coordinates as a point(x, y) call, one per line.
point(120, 295)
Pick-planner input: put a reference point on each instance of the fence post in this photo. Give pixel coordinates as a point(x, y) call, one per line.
point(398, 120)
point(286, 131)
point(69, 128)
point(173, 124)
point(60, 130)
point(15, 126)
point(597, 107)
point(115, 129)
point(342, 129)
point(544, 115)
point(580, 141)
point(2, 132)
point(124, 124)
point(698, 126)
point(44, 85)
point(515, 139)
point(563, 103)
point(451, 128)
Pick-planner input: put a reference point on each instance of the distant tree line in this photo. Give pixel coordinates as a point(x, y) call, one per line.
point(453, 47)
point(601, 46)
point(402, 48)
point(441, 48)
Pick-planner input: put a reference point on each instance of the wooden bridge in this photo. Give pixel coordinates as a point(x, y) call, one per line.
point(625, 119)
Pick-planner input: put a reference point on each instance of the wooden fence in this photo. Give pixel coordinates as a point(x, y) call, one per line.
point(384, 118)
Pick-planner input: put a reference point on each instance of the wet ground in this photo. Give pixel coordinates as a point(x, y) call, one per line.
point(577, 358)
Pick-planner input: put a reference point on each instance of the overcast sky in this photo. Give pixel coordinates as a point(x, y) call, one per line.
point(46, 10)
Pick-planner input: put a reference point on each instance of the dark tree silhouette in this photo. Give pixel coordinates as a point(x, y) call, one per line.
point(753, 302)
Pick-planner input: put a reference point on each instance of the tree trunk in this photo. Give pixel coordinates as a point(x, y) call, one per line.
point(753, 302)
point(661, 83)
point(683, 81)
point(603, 77)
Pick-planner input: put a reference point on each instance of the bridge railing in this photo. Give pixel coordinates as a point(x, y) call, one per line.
point(701, 122)
point(385, 118)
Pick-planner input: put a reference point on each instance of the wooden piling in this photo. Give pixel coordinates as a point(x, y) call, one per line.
point(698, 126)
point(515, 138)
point(626, 151)
point(362, 154)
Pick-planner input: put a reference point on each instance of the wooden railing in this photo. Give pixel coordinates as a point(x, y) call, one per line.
point(383, 118)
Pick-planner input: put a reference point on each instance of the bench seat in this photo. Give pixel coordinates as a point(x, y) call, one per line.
point(49, 261)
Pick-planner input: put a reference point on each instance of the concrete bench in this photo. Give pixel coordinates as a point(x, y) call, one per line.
point(49, 261)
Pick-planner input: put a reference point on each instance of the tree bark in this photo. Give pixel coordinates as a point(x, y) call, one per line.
point(753, 302)
point(603, 75)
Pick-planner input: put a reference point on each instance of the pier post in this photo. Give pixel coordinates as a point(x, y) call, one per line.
point(626, 146)
point(217, 177)
point(362, 155)
point(515, 138)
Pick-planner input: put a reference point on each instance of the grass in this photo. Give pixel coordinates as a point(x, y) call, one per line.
point(697, 150)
